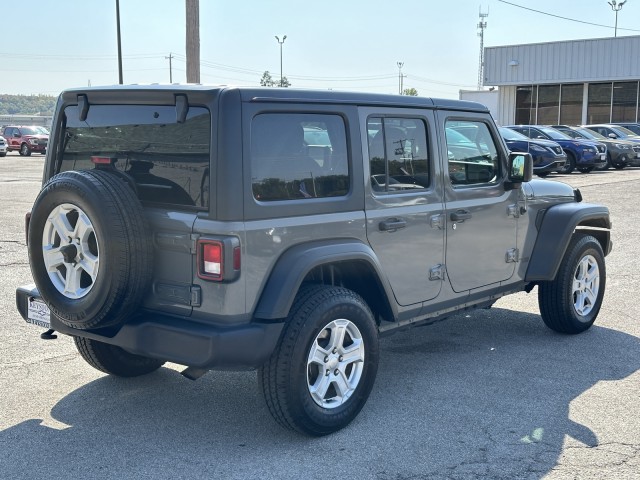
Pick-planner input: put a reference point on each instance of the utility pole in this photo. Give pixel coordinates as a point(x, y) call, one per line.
point(170, 69)
point(193, 40)
point(616, 7)
point(281, 42)
point(119, 42)
point(400, 77)
point(481, 25)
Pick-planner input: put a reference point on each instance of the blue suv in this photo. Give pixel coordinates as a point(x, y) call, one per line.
point(547, 156)
point(583, 155)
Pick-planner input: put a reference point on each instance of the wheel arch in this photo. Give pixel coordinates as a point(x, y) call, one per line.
point(348, 263)
point(554, 229)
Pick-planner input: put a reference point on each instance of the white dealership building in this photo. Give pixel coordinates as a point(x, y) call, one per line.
point(569, 82)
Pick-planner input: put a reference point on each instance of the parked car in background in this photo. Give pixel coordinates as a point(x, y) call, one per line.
point(26, 139)
point(634, 127)
point(3, 147)
point(620, 153)
point(615, 132)
point(547, 155)
point(583, 155)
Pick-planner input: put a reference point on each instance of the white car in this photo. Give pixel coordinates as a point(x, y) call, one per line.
point(3, 147)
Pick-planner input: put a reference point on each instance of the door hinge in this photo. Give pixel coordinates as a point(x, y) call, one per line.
point(437, 221)
point(512, 255)
point(436, 272)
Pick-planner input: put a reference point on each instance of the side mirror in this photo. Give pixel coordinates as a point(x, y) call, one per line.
point(520, 169)
point(612, 135)
point(16, 134)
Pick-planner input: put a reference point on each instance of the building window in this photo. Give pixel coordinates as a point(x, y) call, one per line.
point(571, 104)
point(625, 102)
point(599, 107)
point(525, 104)
point(548, 104)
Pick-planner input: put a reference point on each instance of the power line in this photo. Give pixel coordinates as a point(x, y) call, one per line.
point(565, 18)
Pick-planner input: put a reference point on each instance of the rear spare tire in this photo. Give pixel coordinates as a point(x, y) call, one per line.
point(89, 249)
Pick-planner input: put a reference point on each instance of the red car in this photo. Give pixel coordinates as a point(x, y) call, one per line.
point(26, 139)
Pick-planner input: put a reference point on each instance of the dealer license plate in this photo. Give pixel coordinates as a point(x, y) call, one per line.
point(603, 156)
point(38, 313)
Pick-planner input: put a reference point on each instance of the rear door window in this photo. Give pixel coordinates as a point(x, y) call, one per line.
point(398, 156)
point(168, 161)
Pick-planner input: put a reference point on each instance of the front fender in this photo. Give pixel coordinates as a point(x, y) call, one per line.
point(294, 265)
point(554, 233)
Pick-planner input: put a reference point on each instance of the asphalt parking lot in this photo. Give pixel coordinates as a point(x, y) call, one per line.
point(487, 394)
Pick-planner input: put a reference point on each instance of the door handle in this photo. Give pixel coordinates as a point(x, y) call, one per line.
point(392, 224)
point(460, 216)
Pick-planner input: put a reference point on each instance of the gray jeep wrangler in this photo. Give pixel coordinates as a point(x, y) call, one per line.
point(286, 230)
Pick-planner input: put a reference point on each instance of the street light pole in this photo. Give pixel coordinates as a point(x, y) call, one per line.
point(616, 7)
point(281, 42)
point(119, 42)
point(170, 57)
point(400, 64)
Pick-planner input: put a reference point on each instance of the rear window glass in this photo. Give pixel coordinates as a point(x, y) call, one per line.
point(168, 161)
point(298, 156)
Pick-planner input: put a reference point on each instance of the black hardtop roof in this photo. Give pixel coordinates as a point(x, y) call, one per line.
point(287, 95)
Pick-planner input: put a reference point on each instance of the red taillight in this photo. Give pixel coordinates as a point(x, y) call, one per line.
point(218, 260)
point(27, 220)
point(103, 160)
point(236, 258)
point(210, 261)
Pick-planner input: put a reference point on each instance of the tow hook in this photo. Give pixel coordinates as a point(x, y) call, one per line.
point(48, 335)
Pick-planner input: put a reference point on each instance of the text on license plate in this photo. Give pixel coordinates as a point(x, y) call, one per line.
point(38, 313)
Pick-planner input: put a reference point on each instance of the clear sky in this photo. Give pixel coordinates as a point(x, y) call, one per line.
point(49, 45)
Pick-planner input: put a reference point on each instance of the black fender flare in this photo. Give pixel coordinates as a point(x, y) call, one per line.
point(293, 266)
point(555, 228)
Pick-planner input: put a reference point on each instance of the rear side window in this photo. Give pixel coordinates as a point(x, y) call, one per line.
point(398, 155)
point(298, 156)
point(169, 161)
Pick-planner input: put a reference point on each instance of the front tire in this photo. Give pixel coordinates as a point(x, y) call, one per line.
point(571, 302)
point(25, 151)
point(114, 360)
point(570, 165)
point(324, 367)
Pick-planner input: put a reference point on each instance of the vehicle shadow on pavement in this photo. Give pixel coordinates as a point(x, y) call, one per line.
point(486, 393)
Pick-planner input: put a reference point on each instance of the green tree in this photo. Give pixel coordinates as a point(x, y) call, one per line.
point(267, 80)
point(27, 104)
point(283, 83)
point(412, 92)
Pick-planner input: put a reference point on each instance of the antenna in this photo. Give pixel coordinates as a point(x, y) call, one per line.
point(481, 26)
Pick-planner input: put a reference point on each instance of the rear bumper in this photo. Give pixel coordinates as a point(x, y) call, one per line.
point(179, 340)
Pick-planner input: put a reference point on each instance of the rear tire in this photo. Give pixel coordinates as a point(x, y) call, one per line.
point(324, 367)
point(114, 360)
point(571, 302)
